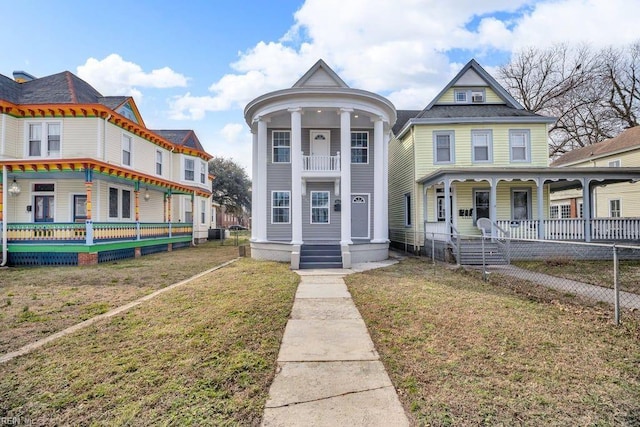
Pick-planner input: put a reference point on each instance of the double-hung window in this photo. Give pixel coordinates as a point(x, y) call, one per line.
point(126, 150)
point(615, 163)
point(119, 203)
point(49, 144)
point(203, 173)
point(407, 210)
point(482, 149)
point(158, 162)
point(359, 147)
point(519, 145)
point(280, 207)
point(281, 146)
point(615, 209)
point(520, 204)
point(443, 147)
point(203, 211)
point(189, 170)
point(319, 207)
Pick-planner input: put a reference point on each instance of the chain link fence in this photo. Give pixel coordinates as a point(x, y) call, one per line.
point(605, 274)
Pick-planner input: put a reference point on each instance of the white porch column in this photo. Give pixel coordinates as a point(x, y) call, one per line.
point(296, 179)
point(255, 217)
point(345, 175)
point(541, 216)
point(493, 203)
point(385, 187)
point(379, 211)
point(586, 208)
point(447, 208)
point(260, 184)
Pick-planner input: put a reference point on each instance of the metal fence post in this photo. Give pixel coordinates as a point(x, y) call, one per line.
point(484, 265)
point(616, 289)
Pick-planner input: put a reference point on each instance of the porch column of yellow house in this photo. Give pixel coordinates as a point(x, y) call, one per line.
point(493, 202)
point(540, 188)
point(447, 207)
point(586, 208)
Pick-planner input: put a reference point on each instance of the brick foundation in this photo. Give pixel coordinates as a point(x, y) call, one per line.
point(169, 247)
point(138, 252)
point(87, 258)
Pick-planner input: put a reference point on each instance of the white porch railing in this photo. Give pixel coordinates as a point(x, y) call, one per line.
point(321, 163)
point(573, 229)
point(436, 231)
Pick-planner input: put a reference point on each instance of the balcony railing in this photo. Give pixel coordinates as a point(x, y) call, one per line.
point(321, 163)
point(57, 232)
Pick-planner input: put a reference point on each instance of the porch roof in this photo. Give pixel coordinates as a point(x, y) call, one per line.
point(558, 178)
point(75, 168)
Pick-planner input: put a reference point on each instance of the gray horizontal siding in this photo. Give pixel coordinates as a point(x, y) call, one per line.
point(320, 232)
point(278, 179)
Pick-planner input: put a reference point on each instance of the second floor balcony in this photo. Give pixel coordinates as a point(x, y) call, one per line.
point(321, 166)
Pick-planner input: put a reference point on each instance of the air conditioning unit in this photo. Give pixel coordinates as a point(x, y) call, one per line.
point(477, 98)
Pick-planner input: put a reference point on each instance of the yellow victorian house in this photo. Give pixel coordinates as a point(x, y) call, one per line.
point(474, 152)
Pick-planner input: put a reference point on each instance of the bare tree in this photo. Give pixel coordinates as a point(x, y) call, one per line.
point(593, 94)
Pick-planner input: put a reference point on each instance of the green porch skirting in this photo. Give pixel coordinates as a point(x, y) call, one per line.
point(35, 254)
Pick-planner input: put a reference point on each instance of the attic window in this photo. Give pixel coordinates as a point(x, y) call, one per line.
point(477, 96)
point(461, 96)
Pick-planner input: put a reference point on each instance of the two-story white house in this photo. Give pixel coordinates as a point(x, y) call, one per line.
point(85, 181)
point(320, 172)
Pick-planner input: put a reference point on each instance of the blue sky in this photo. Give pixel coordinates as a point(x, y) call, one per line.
point(195, 64)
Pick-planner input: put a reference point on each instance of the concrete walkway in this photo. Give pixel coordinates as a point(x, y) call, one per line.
point(329, 372)
point(597, 293)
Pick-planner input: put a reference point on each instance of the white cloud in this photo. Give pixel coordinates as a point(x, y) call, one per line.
point(115, 76)
point(233, 141)
point(403, 48)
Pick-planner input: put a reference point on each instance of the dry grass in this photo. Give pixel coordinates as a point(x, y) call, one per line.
point(202, 354)
point(464, 352)
point(598, 273)
point(38, 301)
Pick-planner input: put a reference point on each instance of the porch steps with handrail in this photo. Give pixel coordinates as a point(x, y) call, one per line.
point(471, 253)
point(320, 256)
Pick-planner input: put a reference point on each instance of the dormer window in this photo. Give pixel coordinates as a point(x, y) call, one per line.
point(469, 96)
point(477, 96)
point(461, 96)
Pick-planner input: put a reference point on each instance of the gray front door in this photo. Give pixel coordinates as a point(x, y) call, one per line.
point(360, 216)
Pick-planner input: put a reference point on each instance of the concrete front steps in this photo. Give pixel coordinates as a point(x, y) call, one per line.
point(471, 253)
point(320, 256)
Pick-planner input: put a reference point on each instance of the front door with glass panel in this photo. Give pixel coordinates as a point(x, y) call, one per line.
point(481, 203)
point(43, 208)
point(320, 142)
point(79, 208)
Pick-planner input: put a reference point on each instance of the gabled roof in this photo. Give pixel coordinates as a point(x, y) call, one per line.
point(320, 75)
point(626, 141)
point(185, 137)
point(403, 117)
point(486, 77)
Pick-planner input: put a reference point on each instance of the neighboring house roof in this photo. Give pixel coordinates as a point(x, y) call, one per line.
point(403, 118)
point(113, 102)
point(184, 137)
point(626, 141)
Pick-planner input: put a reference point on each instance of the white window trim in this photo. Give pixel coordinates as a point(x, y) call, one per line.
point(311, 208)
point(365, 148)
point(615, 163)
point(557, 213)
point(452, 145)
point(126, 135)
point(527, 145)
point(203, 173)
point(161, 153)
point(273, 146)
point(469, 93)
point(183, 172)
point(280, 207)
point(408, 207)
point(120, 189)
point(620, 207)
point(529, 202)
point(461, 91)
point(43, 138)
point(489, 134)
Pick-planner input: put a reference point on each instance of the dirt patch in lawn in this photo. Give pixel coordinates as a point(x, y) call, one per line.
point(201, 354)
point(466, 352)
point(599, 273)
point(38, 301)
